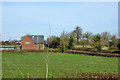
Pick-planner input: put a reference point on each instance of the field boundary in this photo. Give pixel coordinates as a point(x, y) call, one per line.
point(69, 52)
point(93, 53)
point(78, 76)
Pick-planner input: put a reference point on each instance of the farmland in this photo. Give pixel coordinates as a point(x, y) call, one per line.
point(26, 64)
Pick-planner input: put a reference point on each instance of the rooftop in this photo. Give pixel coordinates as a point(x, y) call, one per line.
point(37, 39)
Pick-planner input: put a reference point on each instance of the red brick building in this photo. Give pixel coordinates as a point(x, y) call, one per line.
point(33, 42)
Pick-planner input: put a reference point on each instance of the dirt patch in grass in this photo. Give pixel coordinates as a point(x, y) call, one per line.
point(96, 75)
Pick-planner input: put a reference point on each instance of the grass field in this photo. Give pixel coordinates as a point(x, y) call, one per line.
point(12, 45)
point(21, 64)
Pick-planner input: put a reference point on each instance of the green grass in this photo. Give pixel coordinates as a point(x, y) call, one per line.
point(12, 45)
point(79, 46)
point(19, 65)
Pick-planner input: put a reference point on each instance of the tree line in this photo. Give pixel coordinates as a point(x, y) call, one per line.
point(85, 40)
point(78, 38)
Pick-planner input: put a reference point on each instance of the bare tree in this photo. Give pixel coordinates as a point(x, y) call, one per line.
point(105, 38)
point(114, 41)
point(64, 42)
point(22, 37)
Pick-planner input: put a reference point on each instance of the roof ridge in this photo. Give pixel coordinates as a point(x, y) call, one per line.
point(35, 35)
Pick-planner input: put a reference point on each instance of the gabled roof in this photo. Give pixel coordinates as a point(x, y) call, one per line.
point(37, 39)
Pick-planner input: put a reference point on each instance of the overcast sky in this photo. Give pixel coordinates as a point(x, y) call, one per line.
point(34, 18)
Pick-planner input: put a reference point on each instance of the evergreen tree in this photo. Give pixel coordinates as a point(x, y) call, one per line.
point(70, 43)
point(97, 42)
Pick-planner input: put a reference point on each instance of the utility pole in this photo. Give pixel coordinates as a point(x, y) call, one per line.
point(49, 30)
point(37, 42)
point(49, 34)
point(37, 38)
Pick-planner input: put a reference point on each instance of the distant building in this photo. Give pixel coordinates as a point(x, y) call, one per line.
point(33, 42)
point(18, 43)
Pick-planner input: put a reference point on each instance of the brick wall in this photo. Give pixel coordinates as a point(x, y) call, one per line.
point(31, 44)
point(42, 46)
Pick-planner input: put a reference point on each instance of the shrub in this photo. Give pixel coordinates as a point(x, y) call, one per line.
point(97, 42)
point(118, 44)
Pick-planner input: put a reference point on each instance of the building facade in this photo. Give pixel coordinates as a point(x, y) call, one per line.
point(33, 42)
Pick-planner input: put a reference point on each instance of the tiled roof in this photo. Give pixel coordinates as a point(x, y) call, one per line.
point(37, 39)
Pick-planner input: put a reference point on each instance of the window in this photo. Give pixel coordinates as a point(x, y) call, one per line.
point(32, 36)
point(27, 43)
